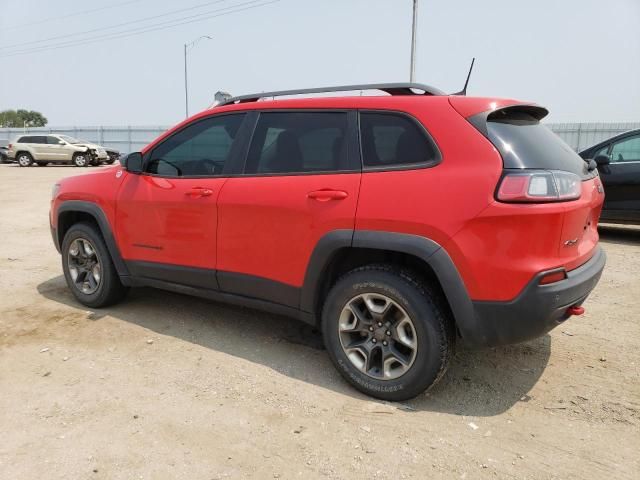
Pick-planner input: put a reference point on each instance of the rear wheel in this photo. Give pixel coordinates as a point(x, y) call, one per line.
point(88, 268)
point(386, 333)
point(81, 159)
point(24, 159)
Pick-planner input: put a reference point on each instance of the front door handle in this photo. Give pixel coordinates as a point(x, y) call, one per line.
point(199, 192)
point(326, 195)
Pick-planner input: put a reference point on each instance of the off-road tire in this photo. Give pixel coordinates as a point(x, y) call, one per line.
point(110, 290)
point(434, 329)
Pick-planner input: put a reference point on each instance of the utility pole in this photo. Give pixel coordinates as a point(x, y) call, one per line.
point(186, 86)
point(412, 73)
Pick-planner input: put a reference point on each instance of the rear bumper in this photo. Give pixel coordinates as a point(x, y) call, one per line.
point(536, 310)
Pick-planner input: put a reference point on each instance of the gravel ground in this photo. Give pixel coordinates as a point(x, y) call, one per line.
point(168, 386)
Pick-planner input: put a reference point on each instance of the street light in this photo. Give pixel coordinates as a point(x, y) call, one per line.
point(412, 71)
point(186, 88)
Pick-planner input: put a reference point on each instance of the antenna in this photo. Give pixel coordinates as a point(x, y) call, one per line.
point(464, 90)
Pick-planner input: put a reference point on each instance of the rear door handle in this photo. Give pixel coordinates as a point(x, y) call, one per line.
point(199, 192)
point(326, 195)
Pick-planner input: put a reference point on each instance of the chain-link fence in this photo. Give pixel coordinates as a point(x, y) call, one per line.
point(132, 139)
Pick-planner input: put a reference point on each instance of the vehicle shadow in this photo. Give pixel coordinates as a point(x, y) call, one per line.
point(478, 382)
point(619, 234)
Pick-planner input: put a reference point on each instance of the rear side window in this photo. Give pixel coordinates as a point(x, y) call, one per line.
point(25, 140)
point(524, 142)
point(298, 142)
point(393, 140)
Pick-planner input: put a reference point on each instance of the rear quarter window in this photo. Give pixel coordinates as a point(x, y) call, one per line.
point(391, 140)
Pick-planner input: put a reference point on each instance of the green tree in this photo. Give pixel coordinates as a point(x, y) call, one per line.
point(22, 118)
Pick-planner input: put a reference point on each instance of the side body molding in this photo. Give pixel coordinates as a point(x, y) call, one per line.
point(437, 258)
point(421, 247)
point(105, 228)
point(326, 248)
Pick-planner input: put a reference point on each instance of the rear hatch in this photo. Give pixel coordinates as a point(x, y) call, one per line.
point(538, 161)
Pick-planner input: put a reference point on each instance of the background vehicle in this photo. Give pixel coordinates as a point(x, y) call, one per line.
point(113, 155)
point(4, 157)
point(394, 223)
point(44, 149)
point(618, 160)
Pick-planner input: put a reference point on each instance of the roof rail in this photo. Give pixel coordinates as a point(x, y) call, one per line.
point(390, 88)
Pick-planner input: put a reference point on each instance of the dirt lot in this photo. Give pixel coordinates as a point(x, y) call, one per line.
point(167, 386)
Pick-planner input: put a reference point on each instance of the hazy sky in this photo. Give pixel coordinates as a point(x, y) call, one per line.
point(579, 58)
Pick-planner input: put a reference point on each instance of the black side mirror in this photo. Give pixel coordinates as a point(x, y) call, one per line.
point(132, 162)
point(602, 159)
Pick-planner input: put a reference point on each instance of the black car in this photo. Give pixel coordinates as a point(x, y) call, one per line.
point(618, 160)
point(4, 158)
point(113, 155)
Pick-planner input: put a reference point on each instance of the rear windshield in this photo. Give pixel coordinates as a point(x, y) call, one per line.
point(524, 142)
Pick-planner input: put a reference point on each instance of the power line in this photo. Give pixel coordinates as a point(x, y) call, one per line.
point(109, 27)
point(135, 32)
point(131, 31)
point(75, 14)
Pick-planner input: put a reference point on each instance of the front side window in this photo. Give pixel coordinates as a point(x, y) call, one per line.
point(391, 140)
point(201, 149)
point(298, 142)
point(53, 140)
point(600, 151)
point(627, 150)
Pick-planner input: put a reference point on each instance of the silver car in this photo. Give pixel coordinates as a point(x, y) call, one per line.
point(53, 148)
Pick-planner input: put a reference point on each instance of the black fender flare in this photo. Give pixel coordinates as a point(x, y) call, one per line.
point(424, 248)
point(105, 228)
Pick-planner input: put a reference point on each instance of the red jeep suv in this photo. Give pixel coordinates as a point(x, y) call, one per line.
point(398, 224)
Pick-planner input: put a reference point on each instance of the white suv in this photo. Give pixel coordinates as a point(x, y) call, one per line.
point(43, 149)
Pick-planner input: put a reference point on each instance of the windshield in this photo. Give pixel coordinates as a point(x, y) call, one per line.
point(68, 139)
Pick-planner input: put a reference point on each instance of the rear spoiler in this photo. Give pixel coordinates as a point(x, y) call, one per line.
point(525, 113)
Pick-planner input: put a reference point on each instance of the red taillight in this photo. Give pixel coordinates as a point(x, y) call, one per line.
point(553, 277)
point(533, 186)
point(9, 146)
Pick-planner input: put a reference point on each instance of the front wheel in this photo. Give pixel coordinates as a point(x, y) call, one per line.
point(24, 159)
point(88, 268)
point(386, 332)
point(81, 159)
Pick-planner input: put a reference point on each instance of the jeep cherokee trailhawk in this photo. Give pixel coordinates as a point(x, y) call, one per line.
point(398, 224)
